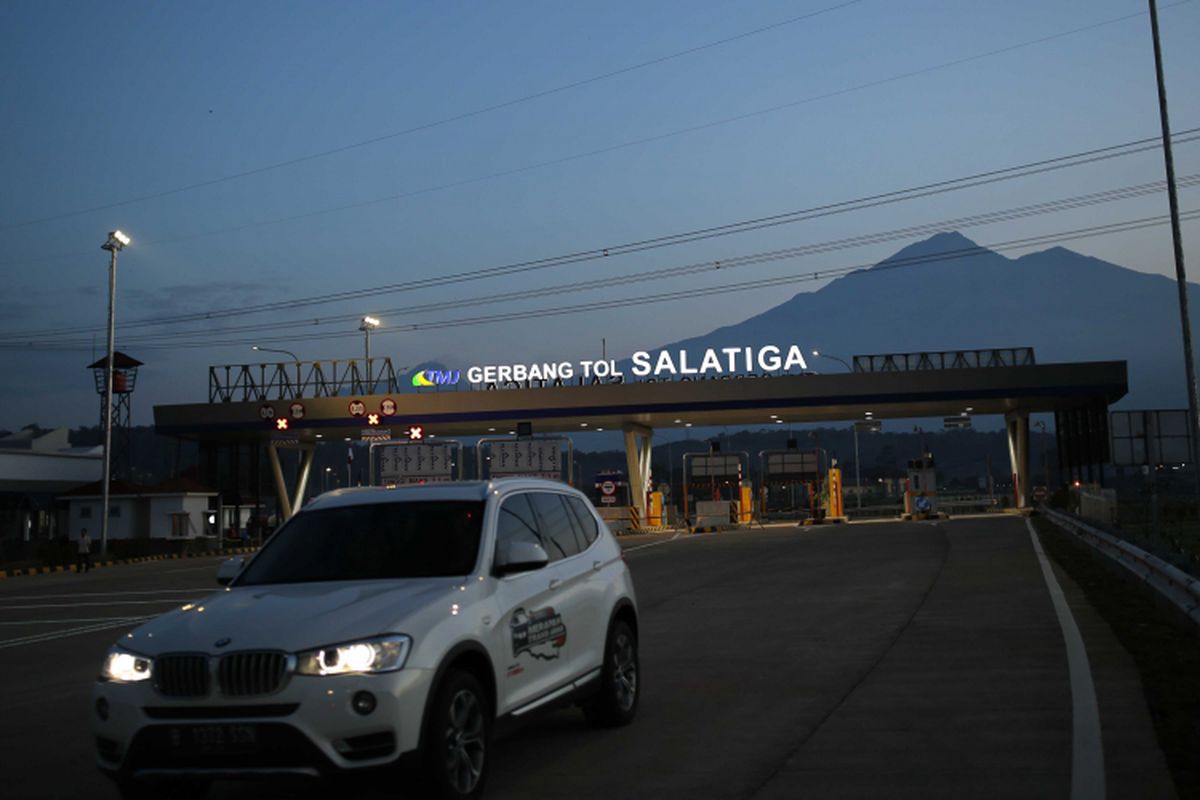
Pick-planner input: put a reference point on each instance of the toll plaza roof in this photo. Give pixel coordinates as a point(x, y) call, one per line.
point(758, 401)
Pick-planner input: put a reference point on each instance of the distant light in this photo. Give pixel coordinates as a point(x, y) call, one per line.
point(583, 424)
point(370, 322)
point(121, 237)
point(774, 416)
point(969, 408)
point(817, 353)
point(678, 422)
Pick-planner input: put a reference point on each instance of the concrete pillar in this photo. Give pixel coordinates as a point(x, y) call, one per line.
point(1017, 424)
point(290, 505)
point(638, 439)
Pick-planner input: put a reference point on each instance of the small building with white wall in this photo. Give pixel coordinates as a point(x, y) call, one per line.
point(178, 508)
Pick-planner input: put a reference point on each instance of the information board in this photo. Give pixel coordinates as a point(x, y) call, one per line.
point(416, 462)
point(715, 466)
point(1150, 437)
point(540, 458)
point(795, 464)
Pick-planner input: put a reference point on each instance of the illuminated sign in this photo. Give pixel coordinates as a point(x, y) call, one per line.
point(660, 364)
point(436, 377)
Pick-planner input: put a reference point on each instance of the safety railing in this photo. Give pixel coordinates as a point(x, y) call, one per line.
point(1176, 586)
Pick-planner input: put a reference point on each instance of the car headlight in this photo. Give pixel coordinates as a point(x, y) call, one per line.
point(122, 666)
point(381, 654)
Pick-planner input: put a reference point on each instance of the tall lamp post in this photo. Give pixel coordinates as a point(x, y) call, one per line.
point(368, 324)
point(275, 350)
point(116, 242)
point(1189, 363)
point(842, 361)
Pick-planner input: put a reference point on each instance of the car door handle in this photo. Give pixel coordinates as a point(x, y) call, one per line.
point(596, 565)
point(554, 584)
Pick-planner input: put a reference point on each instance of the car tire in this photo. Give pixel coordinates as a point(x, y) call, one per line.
point(615, 702)
point(458, 739)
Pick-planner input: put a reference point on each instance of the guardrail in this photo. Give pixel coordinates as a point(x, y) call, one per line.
point(1175, 585)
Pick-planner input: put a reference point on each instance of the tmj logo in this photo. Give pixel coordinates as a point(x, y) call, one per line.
point(436, 377)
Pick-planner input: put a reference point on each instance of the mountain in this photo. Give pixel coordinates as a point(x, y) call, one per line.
point(947, 293)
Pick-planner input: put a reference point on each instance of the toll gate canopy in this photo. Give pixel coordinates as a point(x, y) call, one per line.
point(292, 404)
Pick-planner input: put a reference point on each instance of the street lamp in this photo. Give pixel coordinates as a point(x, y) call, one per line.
point(842, 361)
point(116, 242)
point(274, 350)
point(368, 324)
point(325, 479)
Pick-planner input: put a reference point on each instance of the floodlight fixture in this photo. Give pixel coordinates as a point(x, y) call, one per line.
point(116, 241)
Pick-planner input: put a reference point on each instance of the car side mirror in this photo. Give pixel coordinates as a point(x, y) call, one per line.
point(229, 569)
point(520, 557)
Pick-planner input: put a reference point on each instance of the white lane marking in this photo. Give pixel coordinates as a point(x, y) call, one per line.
point(650, 544)
point(53, 635)
point(106, 594)
point(1087, 748)
point(163, 601)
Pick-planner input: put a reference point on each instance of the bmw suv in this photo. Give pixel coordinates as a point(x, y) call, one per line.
point(378, 628)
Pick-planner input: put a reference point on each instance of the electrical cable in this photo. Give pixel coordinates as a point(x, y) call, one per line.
point(436, 123)
point(1004, 215)
point(578, 156)
point(800, 215)
point(816, 275)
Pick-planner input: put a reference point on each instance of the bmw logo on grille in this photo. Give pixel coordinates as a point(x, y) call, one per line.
point(224, 640)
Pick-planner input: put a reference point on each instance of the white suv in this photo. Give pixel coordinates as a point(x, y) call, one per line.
point(378, 628)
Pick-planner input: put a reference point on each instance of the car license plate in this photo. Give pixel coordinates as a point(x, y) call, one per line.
point(213, 739)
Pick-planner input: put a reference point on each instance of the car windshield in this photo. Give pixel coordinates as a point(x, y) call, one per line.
point(378, 541)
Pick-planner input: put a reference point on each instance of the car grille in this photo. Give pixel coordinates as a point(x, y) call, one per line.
point(181, 675)
point(246, 674)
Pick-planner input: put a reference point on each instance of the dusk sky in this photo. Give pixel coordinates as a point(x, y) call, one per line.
point(265, 152)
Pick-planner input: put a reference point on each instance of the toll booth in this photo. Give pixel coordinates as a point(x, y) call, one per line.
point(920, 492)
point(792, 484)
point(715, 492)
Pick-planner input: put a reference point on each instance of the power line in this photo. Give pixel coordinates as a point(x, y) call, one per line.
point(669, 240)
point(816, 275)
point(1004, 215)
point(586, 154)
point(436, 123)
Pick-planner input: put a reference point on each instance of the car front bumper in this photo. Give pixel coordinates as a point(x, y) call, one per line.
point(308, 727)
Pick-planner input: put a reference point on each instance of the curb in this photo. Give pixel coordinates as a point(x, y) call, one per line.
point(25, 571)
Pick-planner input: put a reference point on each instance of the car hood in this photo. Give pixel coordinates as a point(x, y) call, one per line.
point(290, 617)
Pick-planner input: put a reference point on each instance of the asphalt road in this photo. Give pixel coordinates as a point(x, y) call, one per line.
point(898, 660)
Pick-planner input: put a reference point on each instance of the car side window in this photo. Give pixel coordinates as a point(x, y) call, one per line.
point(584, 516)
point(517, 523)
point(558, 532)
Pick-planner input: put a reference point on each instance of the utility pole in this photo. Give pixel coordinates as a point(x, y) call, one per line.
point(1177, 241)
